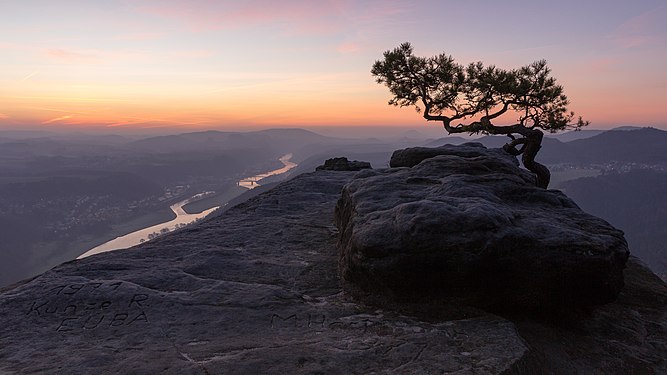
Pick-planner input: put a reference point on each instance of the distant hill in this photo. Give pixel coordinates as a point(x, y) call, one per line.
point(574, 135)
point(7, 135)
point(293, 133)
point(643, 145)
point(631, 145)
point(453, 140)
point(628, 127)
point(635, 202)
point(181, 142)
point(278, 140)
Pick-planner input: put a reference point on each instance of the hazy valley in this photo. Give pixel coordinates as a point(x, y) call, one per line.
point(63, 194)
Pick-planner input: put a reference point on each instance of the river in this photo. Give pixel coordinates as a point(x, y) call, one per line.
point(251, 182)
point(182, 218)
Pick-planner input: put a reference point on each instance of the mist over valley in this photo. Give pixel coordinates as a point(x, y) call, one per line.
point(63, 194)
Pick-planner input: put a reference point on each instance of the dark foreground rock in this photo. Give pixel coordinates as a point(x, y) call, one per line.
point(628, 336)
point(470, 226)
point(342, 164)
point(256, 291)
point(253, 291)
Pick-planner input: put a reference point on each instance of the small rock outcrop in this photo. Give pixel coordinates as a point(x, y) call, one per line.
point(342, 164)
point(409, 157)
point(469, 225)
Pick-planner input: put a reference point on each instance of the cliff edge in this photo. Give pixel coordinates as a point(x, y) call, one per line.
point(257, 290)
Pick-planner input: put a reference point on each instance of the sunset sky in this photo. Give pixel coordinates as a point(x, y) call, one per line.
point(246, 64)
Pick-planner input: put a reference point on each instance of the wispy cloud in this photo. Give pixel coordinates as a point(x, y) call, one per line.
point(140, 36)
point(348, 47)
point(69, 99)
point(27, 77)
point(632, 41)
point(643, 30)
point(291, 16)
point(147, 122)
point(603, 64)
point(57, 119)
point(216, 15)
point(193, 54)
point(73, 57)
point(97, 56)
point(3, 116)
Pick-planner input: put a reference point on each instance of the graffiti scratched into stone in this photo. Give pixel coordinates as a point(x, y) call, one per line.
point(319, 322)
point(85, 306)
point(105, 320)
point(72, 289)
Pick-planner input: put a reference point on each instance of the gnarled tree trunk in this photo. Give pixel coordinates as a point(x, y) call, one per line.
point(531, 143)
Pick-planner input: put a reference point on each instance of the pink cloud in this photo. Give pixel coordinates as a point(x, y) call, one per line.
point(292, 16)
point(348, 47)
point(140, 36)
point(642, 30)
point(3, 116)
point(194, 54)
point(216, 15)
point(602, 64)
point(72, 57)
point(17, 47)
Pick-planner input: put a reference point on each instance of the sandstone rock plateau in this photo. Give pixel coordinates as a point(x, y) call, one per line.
point(256, 290)
point(466, 223)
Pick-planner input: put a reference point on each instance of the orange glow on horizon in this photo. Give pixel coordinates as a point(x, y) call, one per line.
point(293, 100)
point(82, 112)
point(225, 64)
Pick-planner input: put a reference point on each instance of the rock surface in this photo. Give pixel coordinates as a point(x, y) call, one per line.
point(256, 291)
point(342, 164)
point(252, 291)
point(470, 226)
point(409, 157)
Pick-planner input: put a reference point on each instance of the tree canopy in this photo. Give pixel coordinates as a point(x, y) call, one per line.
point(444, 90)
